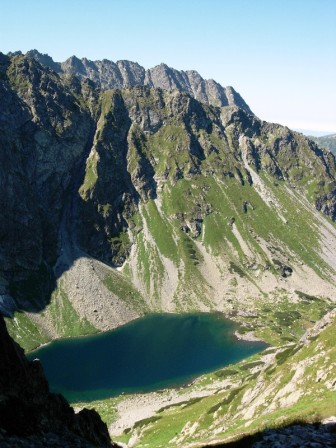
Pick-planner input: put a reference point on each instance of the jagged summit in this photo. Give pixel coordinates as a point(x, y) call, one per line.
point(123, 74)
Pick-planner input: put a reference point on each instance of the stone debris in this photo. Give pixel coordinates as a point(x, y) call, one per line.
point(299, 436)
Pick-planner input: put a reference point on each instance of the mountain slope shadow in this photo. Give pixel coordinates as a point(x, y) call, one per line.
point(32, 416)
point(295, 434)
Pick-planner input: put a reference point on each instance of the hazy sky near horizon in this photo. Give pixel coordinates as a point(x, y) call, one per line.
point(280, 55)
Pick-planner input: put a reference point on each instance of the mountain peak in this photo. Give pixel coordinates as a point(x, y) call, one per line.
point(44, 59)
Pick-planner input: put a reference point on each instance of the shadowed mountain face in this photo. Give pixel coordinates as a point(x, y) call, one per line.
point(28, 409)
point(291, 436)
point(190, 199)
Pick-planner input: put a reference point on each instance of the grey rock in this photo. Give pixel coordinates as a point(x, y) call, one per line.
point(123, 74)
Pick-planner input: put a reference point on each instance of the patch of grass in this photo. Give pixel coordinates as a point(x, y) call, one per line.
point(146, 421)
point(288, 321)
point(286, 318)
point(143, 260)
point(106, 408)
point(65, 318)
point(251, 365)
point(306, 297)
point(91, 176)
point(25, 332)
point(125, 291)
point(121, 244)
point(161, 231)
point(233, 268)
point(192, 402)
point(226, 373)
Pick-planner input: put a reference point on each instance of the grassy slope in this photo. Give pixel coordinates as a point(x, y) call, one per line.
point(296, 241)
point(200, 176)
point(25, 332)
point(63, 321)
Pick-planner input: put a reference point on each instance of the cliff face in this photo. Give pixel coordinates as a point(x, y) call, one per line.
point(27, 408)
point(148, 139)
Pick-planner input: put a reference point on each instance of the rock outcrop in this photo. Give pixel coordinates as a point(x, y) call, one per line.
point(28, 411)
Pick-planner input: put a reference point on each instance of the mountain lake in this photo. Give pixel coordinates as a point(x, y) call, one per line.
point(150, 353)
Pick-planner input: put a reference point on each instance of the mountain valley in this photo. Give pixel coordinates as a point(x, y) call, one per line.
point(127, 192)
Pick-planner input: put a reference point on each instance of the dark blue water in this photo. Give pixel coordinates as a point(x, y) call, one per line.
point(157, 351)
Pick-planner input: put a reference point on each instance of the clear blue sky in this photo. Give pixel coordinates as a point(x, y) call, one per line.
point(279, 54)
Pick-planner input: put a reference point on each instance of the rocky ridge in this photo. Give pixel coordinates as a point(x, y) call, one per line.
point(124, 74)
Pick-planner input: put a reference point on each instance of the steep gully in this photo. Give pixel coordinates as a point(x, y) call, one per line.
point(67, 237)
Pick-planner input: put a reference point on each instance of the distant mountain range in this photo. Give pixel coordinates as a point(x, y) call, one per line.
point(326, 141)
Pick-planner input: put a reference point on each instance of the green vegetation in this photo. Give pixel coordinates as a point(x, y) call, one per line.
point(26, 332)
point(62, 319)
point(91, 175)
point(161, 231)
point(17, 78)
point(286, 321)
point(125, 291)
point(121, 244)
point(105, 408)
point(66, 320)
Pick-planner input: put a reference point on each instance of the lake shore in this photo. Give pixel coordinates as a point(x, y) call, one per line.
point(141, 406)
point(249, 336)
